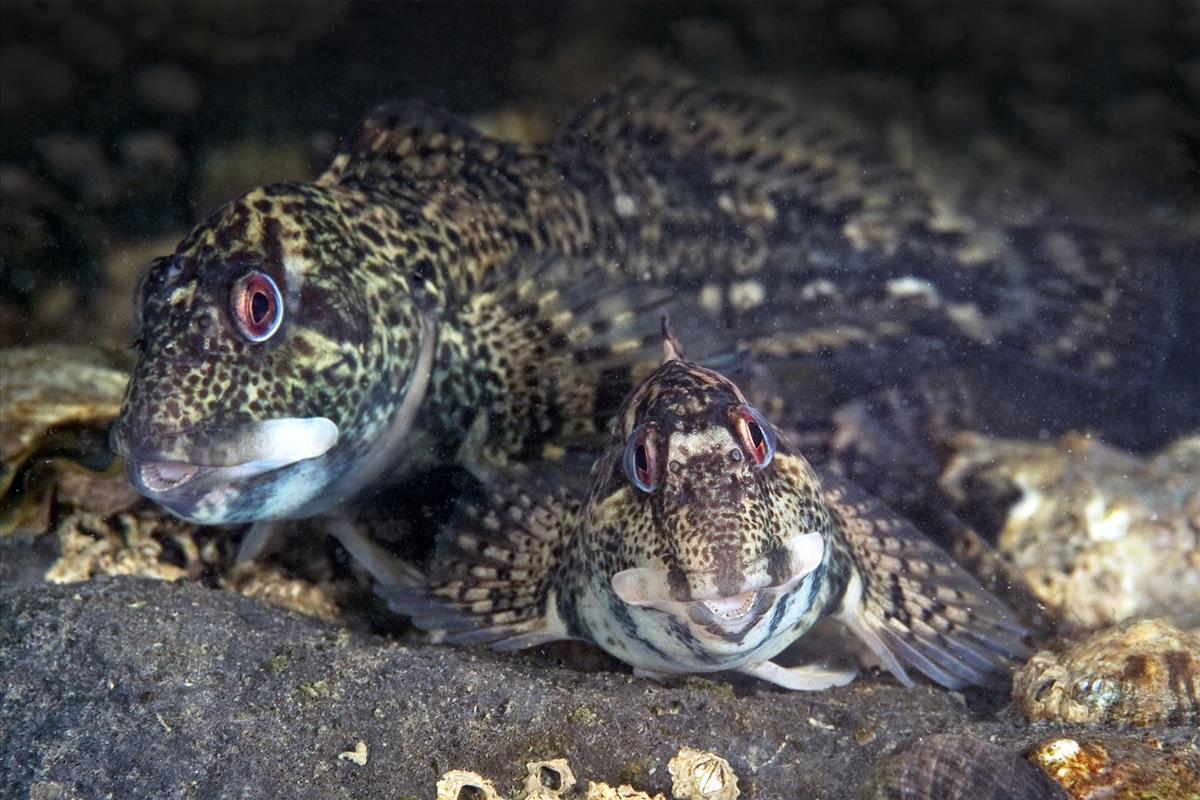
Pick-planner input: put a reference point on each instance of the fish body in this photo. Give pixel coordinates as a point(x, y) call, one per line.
point(436, 292)
point(707, 543)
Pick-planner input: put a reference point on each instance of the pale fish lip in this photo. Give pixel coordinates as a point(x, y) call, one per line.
point(642, 586)
point(263, 447)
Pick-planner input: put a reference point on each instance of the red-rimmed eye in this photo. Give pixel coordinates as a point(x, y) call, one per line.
point(640, 461)
point(257, 306)
point(755, 433)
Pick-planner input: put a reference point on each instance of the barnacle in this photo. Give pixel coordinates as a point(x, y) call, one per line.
point(548, 779)
point(697, 775)
point(459, 784)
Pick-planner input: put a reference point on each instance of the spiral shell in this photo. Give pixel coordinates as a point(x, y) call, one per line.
point(953, 767)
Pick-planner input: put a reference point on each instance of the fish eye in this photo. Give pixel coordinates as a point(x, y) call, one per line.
point(755, 434)
point(640, 460)
point(257, 306)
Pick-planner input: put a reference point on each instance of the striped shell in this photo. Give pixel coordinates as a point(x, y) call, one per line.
point(953, 767)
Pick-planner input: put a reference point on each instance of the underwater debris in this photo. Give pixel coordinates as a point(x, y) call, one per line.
point(357, 756)
point(1119, 769)
point(1099, 534)
point(124, 544)
point(56, 403)
point(956, 767)
point(1136, 674)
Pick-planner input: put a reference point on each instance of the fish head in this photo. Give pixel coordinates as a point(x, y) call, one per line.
point(260, 357)
point(715, 520)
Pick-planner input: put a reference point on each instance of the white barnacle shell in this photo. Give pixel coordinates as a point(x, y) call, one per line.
point(451, 785)
point(547, 780)
point(697, 775)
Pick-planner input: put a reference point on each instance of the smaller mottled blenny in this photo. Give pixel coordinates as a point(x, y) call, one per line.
point(706, 543)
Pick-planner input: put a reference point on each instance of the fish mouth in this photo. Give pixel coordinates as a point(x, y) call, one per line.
point(731, 609)
point(236, 454)
point(648, 588)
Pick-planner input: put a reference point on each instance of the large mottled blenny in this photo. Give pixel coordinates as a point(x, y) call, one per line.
point(435, 288)
point(706, 543)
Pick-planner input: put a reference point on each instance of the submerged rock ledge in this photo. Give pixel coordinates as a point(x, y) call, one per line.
point(129, 687)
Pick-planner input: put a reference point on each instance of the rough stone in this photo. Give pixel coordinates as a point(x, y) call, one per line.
point(132, 687)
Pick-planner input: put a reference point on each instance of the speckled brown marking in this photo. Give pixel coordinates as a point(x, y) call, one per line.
point(419, 216)
point(713, 522)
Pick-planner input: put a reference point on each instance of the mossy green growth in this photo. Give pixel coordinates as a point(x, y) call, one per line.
point(316, 689)
point(636, 770)
point(585, 716)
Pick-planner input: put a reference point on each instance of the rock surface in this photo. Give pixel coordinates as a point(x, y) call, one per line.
point(1099, 534)
point(133, 687)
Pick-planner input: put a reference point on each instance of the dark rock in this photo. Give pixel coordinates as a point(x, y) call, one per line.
point(144, 688)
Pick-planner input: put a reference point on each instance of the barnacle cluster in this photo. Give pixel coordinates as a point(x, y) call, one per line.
point(1139, 673)
point(695, 775)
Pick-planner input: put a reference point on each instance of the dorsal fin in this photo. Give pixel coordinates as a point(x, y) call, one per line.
point(432, 169)
point(672, 350)
point(755, 148)
point(410, 140)
point(912, 603)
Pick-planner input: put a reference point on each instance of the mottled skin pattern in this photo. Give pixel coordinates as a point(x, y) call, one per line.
point(715, 520)
point(718, 550)
point(425, 235)
point(361, 260)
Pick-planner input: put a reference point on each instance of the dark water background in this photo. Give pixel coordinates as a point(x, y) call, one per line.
point(124, 123)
